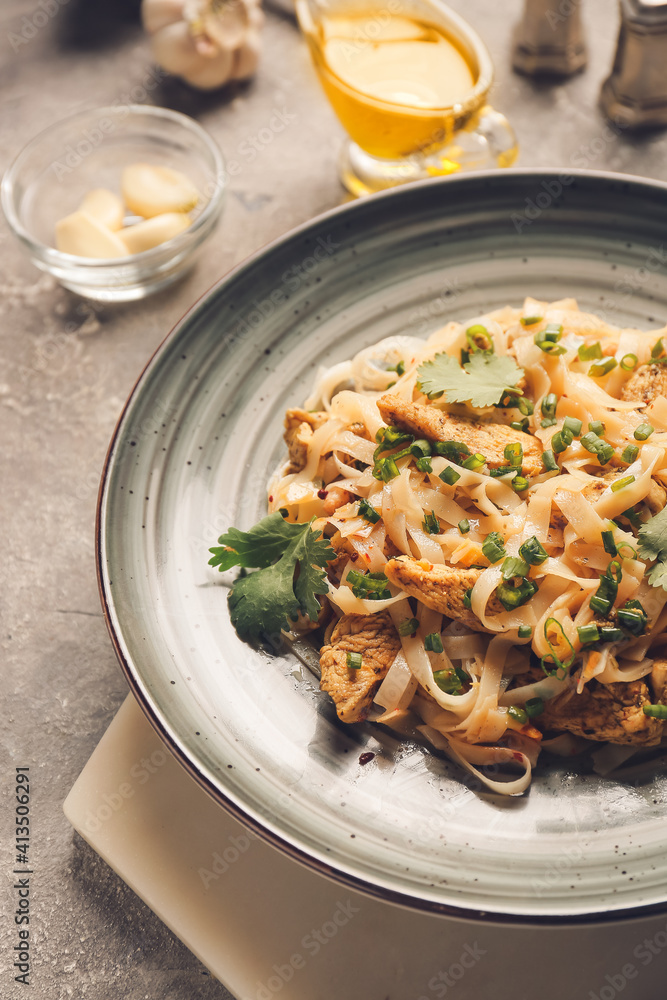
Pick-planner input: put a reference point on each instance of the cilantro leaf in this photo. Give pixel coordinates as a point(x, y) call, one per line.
point(290, 560)
point(483, 380)
point(653, 545)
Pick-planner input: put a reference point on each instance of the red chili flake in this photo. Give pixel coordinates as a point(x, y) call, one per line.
point(323, 494)
point(366, 758)
point(270, 499)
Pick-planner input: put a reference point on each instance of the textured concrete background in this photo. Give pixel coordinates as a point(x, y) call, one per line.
point(65, 369)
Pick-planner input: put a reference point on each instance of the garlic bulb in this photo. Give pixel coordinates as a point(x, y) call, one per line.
point(206, 42)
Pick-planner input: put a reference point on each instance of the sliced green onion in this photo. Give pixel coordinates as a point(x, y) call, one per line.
point(629, 362)
point(632, 617)
point(433, 643)
point(588, 633)
point(420, 448)
point(514, 454)
point(369, 586)
point(549, 404)
point(354, 661)
point(525, 631)
point(597, 427)
point(561, 440)
point(589, 352)
point(658, 349)
point(597, 371)
point(520, 425)
point(368, 512)
point(518, 714)
point(493, 547)
point(547, 339)
point(549, 461)
point(548, 422)
point(605, 453)
point(448, 681)
point(520, 483)
point(424, 464)
point(450, 476)
point(533, 707)
point(474, 333)
point(655, 711)
point(643, 432)
point(430, 524)
point(504, 470)
point(591, 442)
point(632, 551)
point(609, 543)
point(630, 453)
point(526, 406)
point(608, 633)
point(533, 552)
point(514, 597)
point(464, 526)
point(621, 483)
point(386, 469)
point(474, 462)
point(604, 597)
point(530, 320)
point(559, 667)
point(573, 425)
point(514, 566)
point(467, 603)
point(453, 450)
point(408, 627)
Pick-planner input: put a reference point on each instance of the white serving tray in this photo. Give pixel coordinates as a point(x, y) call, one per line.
point(266, 927)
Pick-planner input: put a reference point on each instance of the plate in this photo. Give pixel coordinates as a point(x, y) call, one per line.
point(191, 456)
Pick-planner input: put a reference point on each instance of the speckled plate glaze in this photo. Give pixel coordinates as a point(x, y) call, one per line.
point(190, 457)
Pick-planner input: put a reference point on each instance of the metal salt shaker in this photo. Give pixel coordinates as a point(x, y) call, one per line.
point(550, 38)
point(635, 94)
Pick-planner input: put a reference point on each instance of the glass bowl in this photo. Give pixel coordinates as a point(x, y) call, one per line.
point(88, 150)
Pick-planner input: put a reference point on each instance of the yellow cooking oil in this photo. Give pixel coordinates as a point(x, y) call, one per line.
point(396, 83)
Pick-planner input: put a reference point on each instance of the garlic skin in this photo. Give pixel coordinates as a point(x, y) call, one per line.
point(206, 42)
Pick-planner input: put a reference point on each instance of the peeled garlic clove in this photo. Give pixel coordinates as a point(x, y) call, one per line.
point(84, 235)
point(105, 206)
point(152, 232)
point(149, 190)
point(211, 73)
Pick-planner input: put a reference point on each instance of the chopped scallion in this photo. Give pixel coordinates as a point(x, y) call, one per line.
point(621, 483)
point(518, 714)
point(474, 462)
point(597, 371)
point(588, 633)
point(533, 552)
point(629, 362)
point(530, 320)
point(525, 631)
point(430, 524)
point(354, 660)
point(655, 711)
point(433, 643)
point(609, 543)
point(514, 454)
point(533, 707)
point(597, 427)
point(573, 425)
point(493, 547)
point(549, 461)
point(630, 453)
point(424, 464)
point(514, 597)
point(368, 512)
point(448, 681)
point(408, 627)
point(520, 483)
point(557, 667)
point(514, 566)
point(450, 476)
point(589, 352)
point(520, 425)
point(643, 432)
point(464, 526)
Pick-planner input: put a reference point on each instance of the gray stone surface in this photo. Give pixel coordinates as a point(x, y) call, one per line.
point(66, 367)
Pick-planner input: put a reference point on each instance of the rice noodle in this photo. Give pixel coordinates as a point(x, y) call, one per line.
point(460, 696)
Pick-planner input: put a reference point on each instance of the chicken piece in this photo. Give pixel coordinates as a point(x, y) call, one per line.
point(441, 588)
point(659, 682)
point(606, 713)
point(485, 438)
point(646, 384)
point(353, 690)
point(299, 427)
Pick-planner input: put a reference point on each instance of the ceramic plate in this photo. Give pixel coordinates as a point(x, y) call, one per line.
point(191, 456)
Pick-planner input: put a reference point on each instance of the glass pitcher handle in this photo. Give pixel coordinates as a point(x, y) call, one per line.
point(499, 135)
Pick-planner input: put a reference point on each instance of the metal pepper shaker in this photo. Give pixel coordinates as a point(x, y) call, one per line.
point(549, 39)
point(635, 93)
